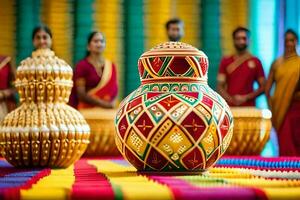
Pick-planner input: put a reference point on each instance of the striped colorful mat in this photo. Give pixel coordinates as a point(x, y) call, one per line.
point(113, 178)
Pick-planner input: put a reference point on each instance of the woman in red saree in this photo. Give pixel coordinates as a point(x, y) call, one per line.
point(41, 38)
point(285, 102)
point(95, 78)
point(7, 74)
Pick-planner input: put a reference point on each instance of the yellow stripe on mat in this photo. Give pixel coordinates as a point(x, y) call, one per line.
point(55, 186)
point(133, 186)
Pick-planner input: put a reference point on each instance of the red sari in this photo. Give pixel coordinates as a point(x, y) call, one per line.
point(240, 74)
point(104, 87)
point(7, 76)
point(285, 104)
point(289, 132)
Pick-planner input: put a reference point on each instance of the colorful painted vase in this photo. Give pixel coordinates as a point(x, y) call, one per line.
point(43, 131)
point(174, 121)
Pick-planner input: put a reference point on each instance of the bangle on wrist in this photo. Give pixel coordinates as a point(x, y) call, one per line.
point(2, 96)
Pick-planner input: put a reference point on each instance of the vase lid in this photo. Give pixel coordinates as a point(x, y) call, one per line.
point(44, 77)
point(173, 61)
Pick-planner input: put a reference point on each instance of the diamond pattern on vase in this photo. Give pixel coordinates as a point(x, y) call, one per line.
point(226, 140)
point(135, 161)
point(156, 63)
point(122, 127)
point(174, 118)
point(175, 143)
point(161, 131)
point(207, 101)
point(194, 95)
point(135, 113)
point(217, 112)
point(153, 98)
point(156, 112)
point(179, 111)
point(188, 98)
point(194, 125)
point(204, 112)
point(215, 97)
point(210, 140)
point(119, 144)
point(119, 114)
point(144, 124)
point(141, 68)
point(213, 158)
point(156, 160)
point(203, 64)
point(137, 93)
point(194, 159)
point(169, 102)
point(179, 65)
point(134, 103)
point(224, 127)
point(136, 143)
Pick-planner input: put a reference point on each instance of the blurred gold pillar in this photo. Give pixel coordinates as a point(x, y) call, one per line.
point(8, 28)
point(58, 16)
point(108, 18)
point(234, 13)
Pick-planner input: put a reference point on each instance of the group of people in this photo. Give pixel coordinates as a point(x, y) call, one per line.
point(238, 72)
point(95, 80)
point(96, 85)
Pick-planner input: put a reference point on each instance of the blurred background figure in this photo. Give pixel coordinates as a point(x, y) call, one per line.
point(174, 28)
point(42, 37)
point(7, 91)
point(95, 78)
point(285, 103)
point(238, 72)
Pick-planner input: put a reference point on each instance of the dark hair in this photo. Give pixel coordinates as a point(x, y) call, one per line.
point(238, 29)
point(291, 31)
point(43, 28)
point(90, 37)
point(173, 21)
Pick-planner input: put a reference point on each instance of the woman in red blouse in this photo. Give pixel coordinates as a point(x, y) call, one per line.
point(95, 78)
point(7, 97)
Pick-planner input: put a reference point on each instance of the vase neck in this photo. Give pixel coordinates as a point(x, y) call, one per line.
point(186, 80)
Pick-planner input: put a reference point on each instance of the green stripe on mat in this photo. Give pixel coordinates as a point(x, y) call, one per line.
point(118, 192)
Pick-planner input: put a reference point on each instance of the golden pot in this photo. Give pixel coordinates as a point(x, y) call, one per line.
point(43, 130)
point(101, 122)
point(251, 130)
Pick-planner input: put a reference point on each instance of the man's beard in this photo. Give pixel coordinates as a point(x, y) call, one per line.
point(241, 47)
point(174, 39)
